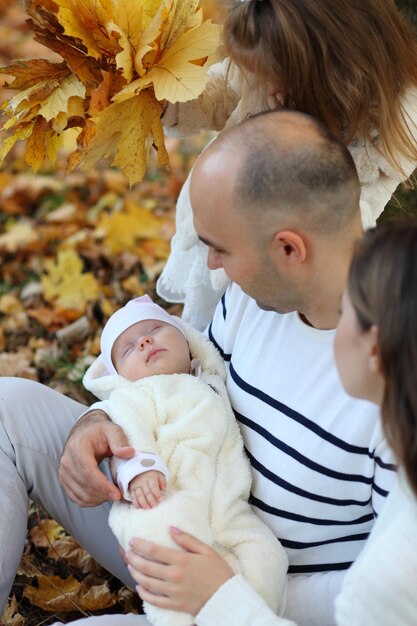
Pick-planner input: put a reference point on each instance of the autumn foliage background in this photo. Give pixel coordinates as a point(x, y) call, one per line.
point(74, 248)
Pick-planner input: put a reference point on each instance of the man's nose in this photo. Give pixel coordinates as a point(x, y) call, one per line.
point(214, 260)
point(144, 341)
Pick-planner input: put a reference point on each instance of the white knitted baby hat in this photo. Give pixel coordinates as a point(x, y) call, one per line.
point(136, 310)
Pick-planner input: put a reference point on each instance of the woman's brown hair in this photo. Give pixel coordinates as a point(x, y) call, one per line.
point(382, 287)
point(345, 62)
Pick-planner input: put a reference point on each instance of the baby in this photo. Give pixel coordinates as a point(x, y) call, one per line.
point(164, 384)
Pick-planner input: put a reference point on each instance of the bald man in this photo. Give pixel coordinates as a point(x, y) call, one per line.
point(276, 199)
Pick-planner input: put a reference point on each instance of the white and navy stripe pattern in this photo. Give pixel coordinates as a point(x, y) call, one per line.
point(321, 467)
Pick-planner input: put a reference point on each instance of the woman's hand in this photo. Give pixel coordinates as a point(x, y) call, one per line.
point(176, 580)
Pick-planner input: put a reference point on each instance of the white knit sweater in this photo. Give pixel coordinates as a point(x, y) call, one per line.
point(228, 99)
point(380, 589)
point(188, 422)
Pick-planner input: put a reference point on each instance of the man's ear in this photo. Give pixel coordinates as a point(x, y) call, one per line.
point(374, 361)
point(287, 248)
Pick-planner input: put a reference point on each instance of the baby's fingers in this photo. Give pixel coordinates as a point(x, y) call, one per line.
point(152, 492)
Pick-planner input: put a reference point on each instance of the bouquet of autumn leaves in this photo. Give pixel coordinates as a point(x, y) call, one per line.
point(123, 61)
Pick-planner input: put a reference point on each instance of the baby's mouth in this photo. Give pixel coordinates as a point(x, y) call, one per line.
point(154, 353)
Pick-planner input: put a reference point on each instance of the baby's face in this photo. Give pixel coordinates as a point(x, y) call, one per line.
point(150, 347)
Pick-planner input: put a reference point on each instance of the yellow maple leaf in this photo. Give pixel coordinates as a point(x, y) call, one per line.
point(18, 236)
point(130, 16)
point(129, 33)
point(124, 128)
point(57, 101)
point(85, 20)
point(56, 594)
point(124, 59)
point(123, 230)
point(22, 133)
point(121, 58)
point(54, 143)
point(54, 101)
point(150, 37)
point(184, 14)
point(28, 98)
point(175, 77)
point(65, 283)
point(35, 152)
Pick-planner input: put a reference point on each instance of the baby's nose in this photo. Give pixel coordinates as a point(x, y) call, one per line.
point(144, 341)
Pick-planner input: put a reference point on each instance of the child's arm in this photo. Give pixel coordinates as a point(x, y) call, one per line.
point(134, 410)
point(146, 489)
point(125, 472)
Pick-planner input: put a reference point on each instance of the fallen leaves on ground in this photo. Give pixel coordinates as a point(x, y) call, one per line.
point(74, 247)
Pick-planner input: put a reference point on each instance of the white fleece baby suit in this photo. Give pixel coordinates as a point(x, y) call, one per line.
point(189, 423)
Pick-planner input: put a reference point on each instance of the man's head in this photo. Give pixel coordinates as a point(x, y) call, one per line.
point(272, 197)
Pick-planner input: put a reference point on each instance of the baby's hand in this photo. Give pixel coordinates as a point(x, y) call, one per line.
point(145, 489)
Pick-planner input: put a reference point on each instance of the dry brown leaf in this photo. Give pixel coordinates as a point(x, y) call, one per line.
point(56, 594)
point(27, 72)
point(27, 566)
point(16, 364)
point(18, 236)
point(11, 616)
point(45, 533)
point(10, 304)
point(72, 553)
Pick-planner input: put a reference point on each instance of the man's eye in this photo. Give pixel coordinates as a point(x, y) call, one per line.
point(218, 251)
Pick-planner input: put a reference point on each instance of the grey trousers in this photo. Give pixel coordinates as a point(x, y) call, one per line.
point(34, 425)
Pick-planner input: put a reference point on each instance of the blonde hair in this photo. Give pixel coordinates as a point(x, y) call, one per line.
point(345, 62)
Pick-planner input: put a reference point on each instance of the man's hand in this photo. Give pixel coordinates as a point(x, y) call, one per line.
point(93, 438)
point(173, 579)
point(145, 489)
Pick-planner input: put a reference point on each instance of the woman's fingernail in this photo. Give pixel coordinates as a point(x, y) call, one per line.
point(175, 530)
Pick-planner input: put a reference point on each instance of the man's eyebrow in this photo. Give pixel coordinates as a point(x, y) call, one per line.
point(206, 241)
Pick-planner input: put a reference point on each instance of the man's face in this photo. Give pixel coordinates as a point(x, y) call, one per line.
point(234, 240)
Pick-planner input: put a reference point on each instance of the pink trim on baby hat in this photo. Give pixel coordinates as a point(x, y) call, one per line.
point(136, 310)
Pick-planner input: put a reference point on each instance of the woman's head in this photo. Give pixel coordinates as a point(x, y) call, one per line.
point(381, 300)
point(344, 62)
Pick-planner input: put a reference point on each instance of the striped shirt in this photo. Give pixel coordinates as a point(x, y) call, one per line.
point(321, 466)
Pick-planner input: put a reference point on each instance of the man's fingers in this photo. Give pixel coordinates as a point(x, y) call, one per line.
point(90, 492)
point(118, 442)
